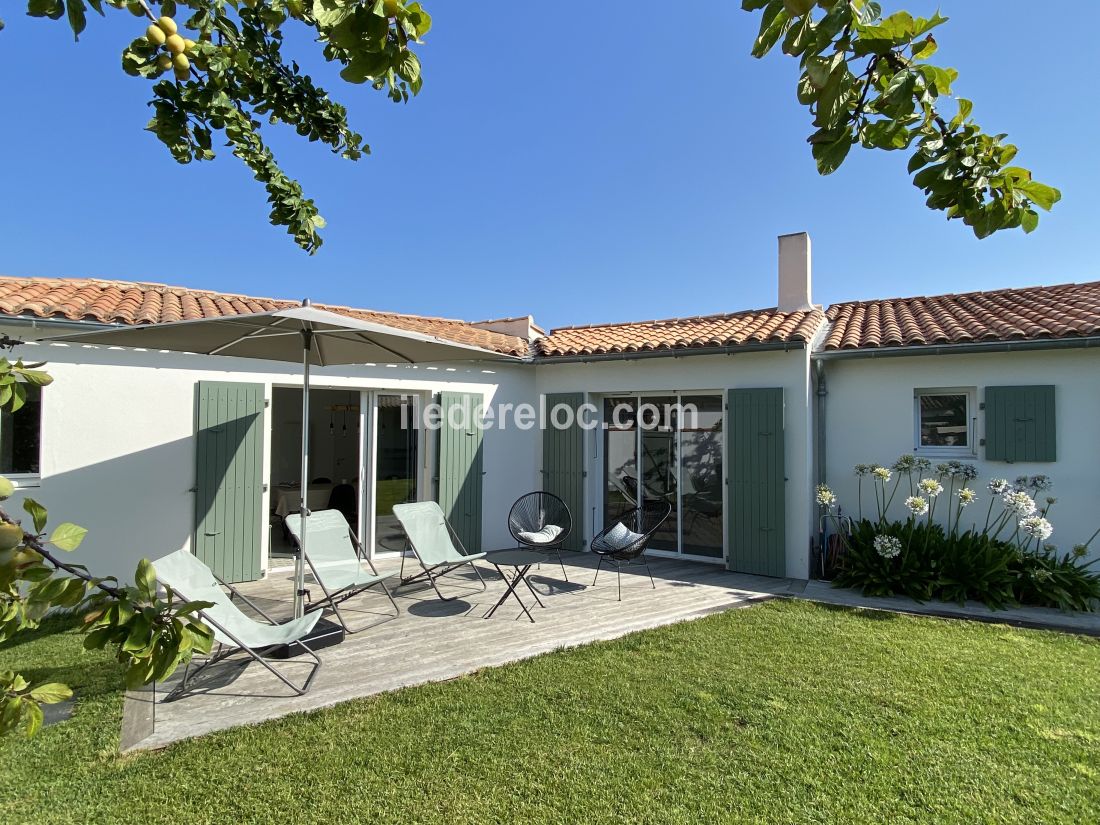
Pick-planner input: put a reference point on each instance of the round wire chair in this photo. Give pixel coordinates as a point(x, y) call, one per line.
point(533, 514)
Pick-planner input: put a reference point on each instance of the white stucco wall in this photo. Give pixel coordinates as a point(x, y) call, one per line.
point(118, 449)
point(870, 414)
point(789, 370)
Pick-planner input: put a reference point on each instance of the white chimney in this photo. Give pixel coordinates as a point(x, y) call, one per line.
point(794, 273)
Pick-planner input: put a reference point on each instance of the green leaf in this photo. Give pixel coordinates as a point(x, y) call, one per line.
point(68, 536)
point(51, 694)
point(77, 17)
point(36, 377)
point(773, 24)
point(52, 9)
point(1040, 194)
point(831, 152)
point(37, 513)
point(146, 579)
point(1029, 221)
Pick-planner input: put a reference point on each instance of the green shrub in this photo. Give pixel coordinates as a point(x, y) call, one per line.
point(975, 566)
point(1044, 578)
point(912, 572)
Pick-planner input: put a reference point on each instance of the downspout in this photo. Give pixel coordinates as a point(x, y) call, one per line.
point(822, 393)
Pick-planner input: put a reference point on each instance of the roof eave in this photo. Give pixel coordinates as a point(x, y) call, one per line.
point(681, 352)
point(968, 348)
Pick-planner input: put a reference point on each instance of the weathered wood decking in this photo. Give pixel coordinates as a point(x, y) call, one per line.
point(433, 640)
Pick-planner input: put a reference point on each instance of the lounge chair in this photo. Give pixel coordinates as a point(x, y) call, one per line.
point(434, 543)
point(624, 542)
point(335, 558)
point(541, 521)
point(189, 579)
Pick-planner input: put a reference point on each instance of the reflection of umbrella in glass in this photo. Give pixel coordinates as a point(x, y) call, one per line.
point(312, 336)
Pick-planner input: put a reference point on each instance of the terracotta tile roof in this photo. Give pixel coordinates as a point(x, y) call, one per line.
point(730, 330)
point(125, 302)
point(1063, 311)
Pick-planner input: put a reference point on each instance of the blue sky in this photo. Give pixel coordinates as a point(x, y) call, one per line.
point(583, 166)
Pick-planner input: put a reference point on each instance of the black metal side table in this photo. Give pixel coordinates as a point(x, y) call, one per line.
point(519, 561)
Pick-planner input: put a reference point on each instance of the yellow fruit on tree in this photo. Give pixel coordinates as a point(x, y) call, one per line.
point(11, 535)
point(181, 74)
point(155, 35)
point(164, 62)
point(175, 44)
point(135, 9)
point(6, 488)
point(168, 25)
point(181, 62)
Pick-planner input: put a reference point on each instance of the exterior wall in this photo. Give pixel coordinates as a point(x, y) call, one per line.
point(118, 440)
point(869, 418)
point(786, 369)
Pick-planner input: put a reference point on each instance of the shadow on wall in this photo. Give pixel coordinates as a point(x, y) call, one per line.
point(138, 505)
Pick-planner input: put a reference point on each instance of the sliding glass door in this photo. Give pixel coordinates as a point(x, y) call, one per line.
point(668, 448)
point(395, 478)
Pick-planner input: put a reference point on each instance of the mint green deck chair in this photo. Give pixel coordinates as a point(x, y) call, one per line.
point(189, 579)
point(434, 543)
point(335, 558)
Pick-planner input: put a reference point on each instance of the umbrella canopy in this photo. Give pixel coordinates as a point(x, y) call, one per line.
point(315, 337)
point(278, 336)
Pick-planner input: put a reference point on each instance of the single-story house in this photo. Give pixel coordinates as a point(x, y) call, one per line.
point(732, 418)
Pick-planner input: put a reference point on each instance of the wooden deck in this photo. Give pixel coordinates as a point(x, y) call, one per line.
point(433, 640)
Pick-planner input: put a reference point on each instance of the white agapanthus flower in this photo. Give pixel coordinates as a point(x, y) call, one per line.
point(888, 547)
point(1019, 503)
point(881, 473)
point(998, 486)
point(966, 496)
point(1037, 527)
point(917, 505)
point(825, 497)
point(930, 487)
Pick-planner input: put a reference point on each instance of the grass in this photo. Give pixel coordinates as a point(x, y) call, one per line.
point(784, 712)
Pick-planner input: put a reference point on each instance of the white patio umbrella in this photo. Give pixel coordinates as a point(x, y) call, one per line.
point(313, 336)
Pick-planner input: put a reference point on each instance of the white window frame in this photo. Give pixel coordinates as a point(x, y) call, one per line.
point(970, 450)
point(32, 480)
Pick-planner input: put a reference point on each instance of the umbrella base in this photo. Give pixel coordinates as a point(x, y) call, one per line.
point(324, 634)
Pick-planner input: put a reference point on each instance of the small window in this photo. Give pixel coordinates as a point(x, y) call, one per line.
point(19, 436)
point(944, 421)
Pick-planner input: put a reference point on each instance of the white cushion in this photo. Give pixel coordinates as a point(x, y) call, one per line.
point(544, 536)
point(617, 538)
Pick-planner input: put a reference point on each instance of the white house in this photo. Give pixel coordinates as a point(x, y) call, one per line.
point(154, 451)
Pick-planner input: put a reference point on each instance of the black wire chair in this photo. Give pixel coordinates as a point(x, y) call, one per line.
point(532, 513)
point(644, 522)
point(345, 499)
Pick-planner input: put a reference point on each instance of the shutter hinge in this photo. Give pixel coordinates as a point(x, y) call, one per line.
point(981, 405)
point(981, 442)
point(267, 403)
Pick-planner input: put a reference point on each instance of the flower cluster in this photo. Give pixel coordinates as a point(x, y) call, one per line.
point(862, 470)
point(888, 547)
point(825, 497)
point(1037, 527)
point(1037, 483)
point(930, 487)
point(881, 473)
point(998, 486)
point(966, 496)
point(917, 505)
point(1019, 503)
point(956, 469)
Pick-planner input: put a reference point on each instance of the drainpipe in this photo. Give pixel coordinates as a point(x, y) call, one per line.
point(819, 419)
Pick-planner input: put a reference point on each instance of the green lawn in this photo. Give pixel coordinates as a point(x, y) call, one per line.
point(784, 712)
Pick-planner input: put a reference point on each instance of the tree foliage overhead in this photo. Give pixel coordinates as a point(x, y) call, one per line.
point(232, 77)
point(867, 80)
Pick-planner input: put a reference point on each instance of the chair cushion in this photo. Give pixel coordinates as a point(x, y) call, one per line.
point(617, 538)
point(544, 536)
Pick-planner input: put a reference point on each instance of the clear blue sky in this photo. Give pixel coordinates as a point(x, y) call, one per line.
point(628, 163)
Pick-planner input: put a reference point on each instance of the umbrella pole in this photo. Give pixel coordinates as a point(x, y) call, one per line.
point(300, 562)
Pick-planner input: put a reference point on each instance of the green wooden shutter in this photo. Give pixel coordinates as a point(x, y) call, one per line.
point(756, 511)
point(460, 467)
point(1019, 423)
point(229, 439)
point(563, 464)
